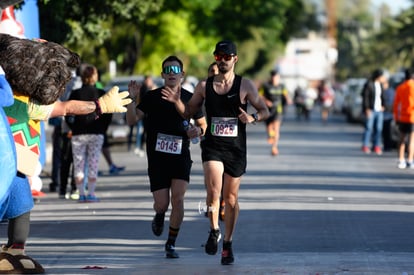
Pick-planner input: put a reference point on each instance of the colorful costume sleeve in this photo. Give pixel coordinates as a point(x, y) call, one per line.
point(26, 134)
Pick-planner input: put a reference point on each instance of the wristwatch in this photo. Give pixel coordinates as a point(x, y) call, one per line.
point(256, 117)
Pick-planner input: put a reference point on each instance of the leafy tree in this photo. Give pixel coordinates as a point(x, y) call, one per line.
point(88, 26)
point(137, 34)
point(395, 41)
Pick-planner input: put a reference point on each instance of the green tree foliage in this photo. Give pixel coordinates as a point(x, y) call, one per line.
point(370, 39)
point(98, 30)
point(138, 34)
point(395, 41)
point(354, 24)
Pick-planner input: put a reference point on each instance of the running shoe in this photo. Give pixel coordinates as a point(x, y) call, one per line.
point(114, 170)
point(366, 150)
point(227, 257)
point(158, 224)
point(170, 252)
point(36, 193)
point(378, 150)
point(92, 198)
point(212, 242)
point(74, 195)
point(82, 198)
point(402, 164)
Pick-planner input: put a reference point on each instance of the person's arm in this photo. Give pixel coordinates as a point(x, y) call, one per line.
point(133, 114)
point(111, 102)
point(252, 95)
point(73, 107)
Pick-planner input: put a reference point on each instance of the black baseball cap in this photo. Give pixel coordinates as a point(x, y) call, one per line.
point(274, 72)
point(226, 47)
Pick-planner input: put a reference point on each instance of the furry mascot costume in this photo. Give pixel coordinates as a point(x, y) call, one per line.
point(37, 72)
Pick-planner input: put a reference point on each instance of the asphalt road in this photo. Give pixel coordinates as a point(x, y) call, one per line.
point(320, 207)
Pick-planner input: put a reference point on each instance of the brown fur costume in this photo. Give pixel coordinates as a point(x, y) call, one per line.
point(36, 69)
point(38, 72)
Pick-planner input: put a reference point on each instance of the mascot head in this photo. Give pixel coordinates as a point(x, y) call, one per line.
point(37, 69)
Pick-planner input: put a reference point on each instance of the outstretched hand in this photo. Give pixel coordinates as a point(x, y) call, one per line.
point(170, 95)
point(113, 101)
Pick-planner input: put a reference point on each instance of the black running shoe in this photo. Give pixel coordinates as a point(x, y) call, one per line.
point(170, 252)
point(158, 224)
point(213, 238)
point(227, 257)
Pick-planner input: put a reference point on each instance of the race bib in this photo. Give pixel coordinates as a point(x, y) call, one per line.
point(169, 144)
point(224, 126)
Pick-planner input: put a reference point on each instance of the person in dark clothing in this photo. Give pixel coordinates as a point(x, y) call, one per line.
point(168, 148)
point(373, 107)
point(225, 97)
point(88, 135)
point(66, 166)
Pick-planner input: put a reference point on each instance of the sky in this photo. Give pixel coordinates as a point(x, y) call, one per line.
point(395, 5)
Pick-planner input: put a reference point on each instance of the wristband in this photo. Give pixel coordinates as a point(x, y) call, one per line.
point(255, 117)
point(98, 110)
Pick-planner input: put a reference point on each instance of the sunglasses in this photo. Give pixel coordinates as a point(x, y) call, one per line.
point(171, 69)
point(227, 57)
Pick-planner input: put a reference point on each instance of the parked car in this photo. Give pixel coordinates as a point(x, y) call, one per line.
point(338, 104)
point(353, 100)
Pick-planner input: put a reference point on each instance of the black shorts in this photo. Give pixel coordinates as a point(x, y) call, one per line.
point(234, 159)
point(161, 171)
point(406, 128)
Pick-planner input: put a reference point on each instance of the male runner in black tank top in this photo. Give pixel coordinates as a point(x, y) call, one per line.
point(224, 147)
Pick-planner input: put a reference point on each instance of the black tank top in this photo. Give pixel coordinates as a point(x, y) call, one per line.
point(224, 106)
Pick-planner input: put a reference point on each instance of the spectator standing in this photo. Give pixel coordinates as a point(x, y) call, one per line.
point(310, 95)
point(57, 140)
point(56, 123)
point(168, 148)
point(225, 97)
point(326, 98)
point(298, 99)
point(403, 110)
point(88, 135)
point(66, 166)
point(373, 108)
point(389, 94)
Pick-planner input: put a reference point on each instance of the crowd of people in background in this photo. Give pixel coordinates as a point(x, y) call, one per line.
point(379, 105)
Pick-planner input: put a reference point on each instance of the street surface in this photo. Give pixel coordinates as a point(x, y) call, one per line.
point(320, 207)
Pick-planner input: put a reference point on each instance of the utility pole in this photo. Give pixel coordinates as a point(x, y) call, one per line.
point(330, 8)
point(331, 33)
